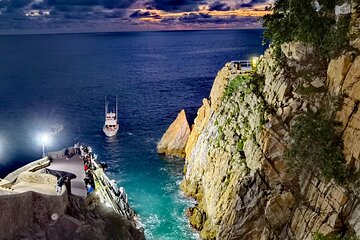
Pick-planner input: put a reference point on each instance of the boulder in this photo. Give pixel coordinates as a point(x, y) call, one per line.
point(297, 51)
point(175, 138)
point(278, 210)
point(317, 83)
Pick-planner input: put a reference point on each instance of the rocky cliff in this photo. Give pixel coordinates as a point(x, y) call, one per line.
point(175, 138)
point(235, 165)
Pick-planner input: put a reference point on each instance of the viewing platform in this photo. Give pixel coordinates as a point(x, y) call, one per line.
point(72, 165)
point(66, 188)
point(244, 66)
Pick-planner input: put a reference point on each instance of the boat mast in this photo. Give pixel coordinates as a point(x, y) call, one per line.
point(106, 108)
point(116, 107)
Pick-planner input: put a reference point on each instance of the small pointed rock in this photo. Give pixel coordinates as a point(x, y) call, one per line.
point(175, 138)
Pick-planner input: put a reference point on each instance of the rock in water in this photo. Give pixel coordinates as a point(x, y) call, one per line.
point(175, 138)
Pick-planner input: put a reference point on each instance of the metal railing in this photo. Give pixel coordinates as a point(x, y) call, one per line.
point(110, 194)
point(241, 65)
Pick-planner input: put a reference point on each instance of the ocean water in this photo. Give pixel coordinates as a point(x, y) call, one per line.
point(63, 79)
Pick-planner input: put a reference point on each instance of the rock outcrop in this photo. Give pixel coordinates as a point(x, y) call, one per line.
point(208, 106)
point(235, 167)
point(297, 51)
point(200, 121)
point(355, 25)
point(75, 222)
point(344, 78)
point(175, 138)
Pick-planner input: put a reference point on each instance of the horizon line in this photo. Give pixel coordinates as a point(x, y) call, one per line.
point(129, 31)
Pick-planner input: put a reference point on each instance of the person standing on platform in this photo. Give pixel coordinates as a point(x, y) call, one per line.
point(90, 189)
point(59, 184)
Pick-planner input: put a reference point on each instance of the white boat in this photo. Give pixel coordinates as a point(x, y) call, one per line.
point(111, 126)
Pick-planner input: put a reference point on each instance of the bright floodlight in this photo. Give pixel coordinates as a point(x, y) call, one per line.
point(44, 139)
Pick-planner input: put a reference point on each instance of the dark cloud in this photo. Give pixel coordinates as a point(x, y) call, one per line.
point(71, 2)
point(117, 3)
point(115, 14)
point(17, 14)
point(194, 17)
point(38, 6)
point(144, 14)
point(110, 4)
point(219, 6)
point(175, 5)
point(18, 3)
point(11, 5)
point(250, 4)
point(140, 14)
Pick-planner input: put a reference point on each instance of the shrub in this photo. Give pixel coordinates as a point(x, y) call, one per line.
point(336, 39)
point(240, 145)
point(308, 90)
point(316, 147)
point(251, 83)
point(319, 236)
point(235, 84)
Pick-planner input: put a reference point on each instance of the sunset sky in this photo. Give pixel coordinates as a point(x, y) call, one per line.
point(32, 16)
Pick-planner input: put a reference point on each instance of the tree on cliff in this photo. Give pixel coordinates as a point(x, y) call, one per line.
point(308, 21)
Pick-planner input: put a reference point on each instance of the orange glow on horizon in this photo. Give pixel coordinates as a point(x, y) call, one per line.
point(158, 15)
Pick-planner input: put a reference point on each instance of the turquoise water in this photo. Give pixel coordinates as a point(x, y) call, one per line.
point(63, 79)
point(153, 188)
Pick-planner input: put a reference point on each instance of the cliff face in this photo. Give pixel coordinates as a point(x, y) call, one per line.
point(235, 165)
point(174, 140)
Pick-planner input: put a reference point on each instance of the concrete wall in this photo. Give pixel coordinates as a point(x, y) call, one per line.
point(38, 163)
point(19, 211)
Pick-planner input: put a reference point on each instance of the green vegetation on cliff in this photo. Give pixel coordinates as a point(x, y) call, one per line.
point(310, 22)
point(236, 127)
point(319, 236)
point(253, 83)
point(316, 147)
